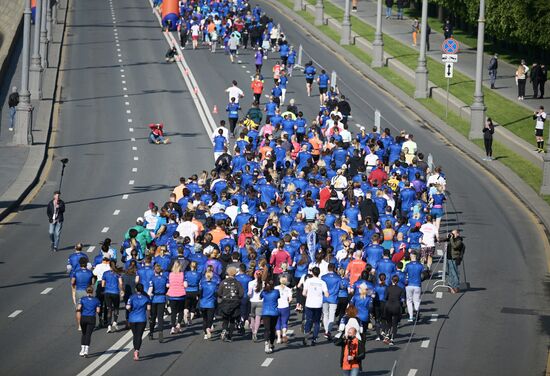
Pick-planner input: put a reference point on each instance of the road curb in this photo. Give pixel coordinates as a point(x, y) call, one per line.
point(505, 175)
point(32, 169)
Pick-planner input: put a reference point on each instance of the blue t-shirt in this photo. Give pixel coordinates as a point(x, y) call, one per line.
point(89, 306)
point(193, 278)
point(145, 275)
point(373, 253)
point(74, 259)
point(233, 110)
point(413, 270)
point(310, 71)
point(219, 143)
point(111, 282)
point(83, 278)
point(208, 294)
point(269, 306)
point(138, 308)
point(362, 305)
point(333, 281)
point(323, 81)
point(158, 283)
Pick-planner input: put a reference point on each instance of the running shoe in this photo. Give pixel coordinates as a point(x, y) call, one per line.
point(86, 348)
point(109, 329)
point(254, 337)
point(267, 348)
point(136, 355)
point(223, 335)
point(81, 351)
point(173, 331)
point(410, 319)
point(313, 342)
point(378, 338)
point(387, 340)
point(115, 327)
point(206, 336)
point(208, 333)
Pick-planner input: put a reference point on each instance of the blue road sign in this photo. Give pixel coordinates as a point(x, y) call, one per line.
point(450, 46)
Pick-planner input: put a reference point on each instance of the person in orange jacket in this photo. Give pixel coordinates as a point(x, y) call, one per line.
point(257, 87)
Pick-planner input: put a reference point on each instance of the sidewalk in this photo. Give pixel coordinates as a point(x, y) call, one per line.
point(21, 165)
point(401, 31)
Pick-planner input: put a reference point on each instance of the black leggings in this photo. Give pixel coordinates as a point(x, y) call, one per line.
point(137, 330)
point(207, 318)
point(393, 316)
point(157, 313)
point(87, 324)
point(176, 306)
point(112, 301)
point(191, 301)
point(379, 315)
point(521, 87)
point(232, 124)
point(341, 308)
point(270, 323)
point(488, 146)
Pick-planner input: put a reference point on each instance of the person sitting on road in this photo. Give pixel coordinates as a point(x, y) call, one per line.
point(171, 54)
point(156, 136)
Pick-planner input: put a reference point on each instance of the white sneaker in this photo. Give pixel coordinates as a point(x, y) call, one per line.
point(115, 327)
point(109, 329)
point(267, 347)
point(173, 331)
point(206, 336)
point(86, 348)
point(10, 129)
point(81, 351)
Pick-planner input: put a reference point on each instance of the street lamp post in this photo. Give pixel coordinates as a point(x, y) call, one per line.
point(36, 69)
point(378, 43)
point(319, 13)
point(43, 35)
point(54, 11)
point(24, 108)
point(478, 109)
point(421, 73)
point(48, 5)
point(345, 38)
point(545, 189)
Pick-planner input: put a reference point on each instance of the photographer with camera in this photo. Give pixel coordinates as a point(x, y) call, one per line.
point(352, 354)
point(455, 253)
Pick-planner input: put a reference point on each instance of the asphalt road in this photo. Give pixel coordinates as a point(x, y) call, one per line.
point(497, 327)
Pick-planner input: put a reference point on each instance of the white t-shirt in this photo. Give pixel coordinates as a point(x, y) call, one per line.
point(100, 269)
point(188, 228)
point(410, 145)
point(371, 160)
point(195, 30)
point(436, 179)
point(254, 296)
point(151, 219)
point(314, 288)
point(285, 296)
point(429, 231)
point(234, 92)
point(541, 118)
point(232, 212)
point(346, 135)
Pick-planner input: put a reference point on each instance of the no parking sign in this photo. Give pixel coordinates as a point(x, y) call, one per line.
point(449, 46)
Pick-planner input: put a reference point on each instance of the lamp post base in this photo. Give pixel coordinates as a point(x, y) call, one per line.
point(477, 120)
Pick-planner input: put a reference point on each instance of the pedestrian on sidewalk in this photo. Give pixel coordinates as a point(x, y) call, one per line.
point(354, 6)
point(543, 79)
point(400, 6)
point(540, 117)
point(493, 67)
point(389, 5)
point(455, 253)
point(428, 32)
point(488, 131)
point(13, 101)
point(55, 211)
point(521, 79)
point(534, 79)
point(415, 29)
point(447, 29)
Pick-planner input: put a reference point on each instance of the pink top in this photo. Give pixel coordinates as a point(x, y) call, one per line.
point(277, 258)
point(177, 287)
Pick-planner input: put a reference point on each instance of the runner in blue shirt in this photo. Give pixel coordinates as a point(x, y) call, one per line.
point(309, 72)
point(207, 303)
point(157, 290)
point(113, 290)
point(80, 281)
point(145, 273)
point(220, 143)
point(363, 302)
point(233, 109)
point(333, 281)
point(270, 313)
point(276, 93)
point(87, 309)
point(137, 306)
point(192, 277)
point(324, 82)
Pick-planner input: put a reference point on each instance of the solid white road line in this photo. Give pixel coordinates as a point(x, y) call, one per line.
point(46, 291)
point(412, 372)
point(439, 295)
point(116, 212)
point(105, 229)
point(91, 249)
point(425, 344)
point(106, 355)
point(125, 197)
point(434, 317)
point(267, 362)
point(15, 313)
point(131, 182)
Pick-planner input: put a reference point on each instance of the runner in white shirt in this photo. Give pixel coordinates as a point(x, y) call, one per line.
point(283, 305)
point(314, 289)
point(234, 92)
point(188, 228)
point(429, 237)
point(371, 160)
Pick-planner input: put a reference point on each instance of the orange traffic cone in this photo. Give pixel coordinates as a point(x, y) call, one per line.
point(215, 111)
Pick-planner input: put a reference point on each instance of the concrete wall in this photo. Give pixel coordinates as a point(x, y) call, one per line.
point(11, 21)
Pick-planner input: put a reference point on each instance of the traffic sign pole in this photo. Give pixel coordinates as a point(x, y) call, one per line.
point(447, 100)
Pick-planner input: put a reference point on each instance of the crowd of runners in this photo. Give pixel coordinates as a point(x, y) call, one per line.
point(299, 216)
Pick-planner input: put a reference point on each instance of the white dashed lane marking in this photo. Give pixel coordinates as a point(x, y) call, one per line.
point(127, 103)
point(425, 344)
point(267, 362)
point(131, 182)
point(125, 197)
point(15, 313)
point(134, 169)
point(434, 317)
point(439, 295)
point(116, 212)
point(130, 129)
point(136, 158)
point(412, 372)
point(105, 229)
point(133, 139)
point(134, 148)
point(91, 248)
point(130, 120)
point(46, 291)
point(128, 111)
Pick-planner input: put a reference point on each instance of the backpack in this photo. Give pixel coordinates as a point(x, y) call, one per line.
point(231, 289)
